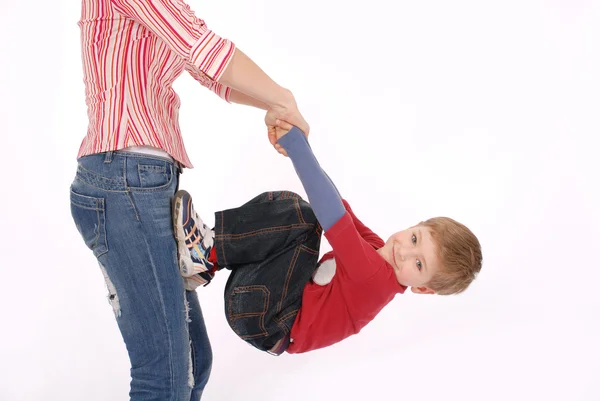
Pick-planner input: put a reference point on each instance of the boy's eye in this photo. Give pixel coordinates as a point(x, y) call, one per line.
point(414, 239)
point(419, 265)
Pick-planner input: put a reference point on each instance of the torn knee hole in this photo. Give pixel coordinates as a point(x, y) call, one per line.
point(113, 299)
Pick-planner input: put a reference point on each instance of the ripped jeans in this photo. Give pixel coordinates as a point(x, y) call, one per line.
point(121, 205)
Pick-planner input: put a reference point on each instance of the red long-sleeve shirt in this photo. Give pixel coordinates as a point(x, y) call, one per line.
point(362, 285)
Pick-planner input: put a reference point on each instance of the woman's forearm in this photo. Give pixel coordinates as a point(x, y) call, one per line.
point(245, 76)
point(241, 98)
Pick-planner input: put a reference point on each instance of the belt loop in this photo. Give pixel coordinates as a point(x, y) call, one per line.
point(108, 156)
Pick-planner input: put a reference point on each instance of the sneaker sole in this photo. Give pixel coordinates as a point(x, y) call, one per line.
point(186, 265)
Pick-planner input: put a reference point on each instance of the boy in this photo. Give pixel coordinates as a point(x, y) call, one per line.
point(279, 296)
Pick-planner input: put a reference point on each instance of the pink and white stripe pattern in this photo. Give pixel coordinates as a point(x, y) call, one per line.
point(132, 51)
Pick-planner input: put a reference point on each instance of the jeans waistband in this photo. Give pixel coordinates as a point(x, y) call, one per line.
point(280, 346)
point(119, 171)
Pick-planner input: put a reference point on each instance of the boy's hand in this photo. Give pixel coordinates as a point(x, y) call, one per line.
point(276, 129)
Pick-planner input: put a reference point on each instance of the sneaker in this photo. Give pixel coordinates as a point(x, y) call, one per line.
point(194, 242)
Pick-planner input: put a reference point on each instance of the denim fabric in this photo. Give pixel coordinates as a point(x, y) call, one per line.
point(271, 245)
point(121, 205)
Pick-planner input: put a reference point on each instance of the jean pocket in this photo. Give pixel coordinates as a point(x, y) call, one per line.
point(89, 217)
point(153, 176)
point(247, 307)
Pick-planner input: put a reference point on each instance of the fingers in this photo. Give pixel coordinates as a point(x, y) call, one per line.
point(284, 125)
point(281, 150)
point(287, 126)
point(272, 133)
point(273, 140)
point(304, 127)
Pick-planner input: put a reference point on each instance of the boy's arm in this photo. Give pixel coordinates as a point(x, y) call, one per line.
point(350, 239)
point(363, 230)
point(322, 194)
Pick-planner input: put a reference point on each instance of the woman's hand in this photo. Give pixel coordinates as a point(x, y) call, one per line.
point(276, 128)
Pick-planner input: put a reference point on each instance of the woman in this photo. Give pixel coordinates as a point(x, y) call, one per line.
point(128, 169)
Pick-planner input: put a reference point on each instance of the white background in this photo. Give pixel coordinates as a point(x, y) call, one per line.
point(484, 111)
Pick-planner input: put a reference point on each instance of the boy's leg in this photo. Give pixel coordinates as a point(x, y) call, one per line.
point(271, 244)
point(264, 226)
point(265, 217)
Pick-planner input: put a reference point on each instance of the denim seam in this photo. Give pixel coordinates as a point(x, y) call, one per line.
point(137, 216)
point(87, 207)
point(217, 238)
point(309, 250)
point(91, 184)
point(280, 320)
point(281, 326)
point(233, 317)
point(83, 172)
point(101, 222)
point(134, 155)
point(149, 167)
point(261, 231)
point(109, 184)
point(154, 189)
point(102, 215)
point(162, 304)
point(287, 315)
point(288, 278)
point(297, 205)
point(152, 168)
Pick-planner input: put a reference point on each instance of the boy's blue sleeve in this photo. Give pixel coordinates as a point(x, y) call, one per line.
point(323, 196)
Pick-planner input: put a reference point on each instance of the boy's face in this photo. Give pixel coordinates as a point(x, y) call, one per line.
point(412, 254)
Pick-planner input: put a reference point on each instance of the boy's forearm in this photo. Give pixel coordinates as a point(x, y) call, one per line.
point(323, 196)
point(243, 75)
point(238, 97)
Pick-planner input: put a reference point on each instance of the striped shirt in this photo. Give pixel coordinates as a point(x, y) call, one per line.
point(132, 52)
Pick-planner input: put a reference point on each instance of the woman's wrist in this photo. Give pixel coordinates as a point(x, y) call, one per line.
point(284, 99)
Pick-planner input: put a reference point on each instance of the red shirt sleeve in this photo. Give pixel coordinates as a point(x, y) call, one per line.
point(355, 255)
point(363, 230)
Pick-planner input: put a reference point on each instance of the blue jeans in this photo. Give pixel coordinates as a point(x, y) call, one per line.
point(271, 245)
point(121, 205)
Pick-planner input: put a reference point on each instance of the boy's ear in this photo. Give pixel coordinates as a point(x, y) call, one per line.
point(422, 290)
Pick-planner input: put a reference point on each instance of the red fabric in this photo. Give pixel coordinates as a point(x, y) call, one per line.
point(212, 258)
point(362, 285)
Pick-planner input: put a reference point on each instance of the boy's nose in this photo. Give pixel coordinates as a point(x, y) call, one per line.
point(402, 253)
point(405, 254)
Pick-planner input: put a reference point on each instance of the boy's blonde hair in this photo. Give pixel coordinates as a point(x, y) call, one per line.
point(459, 252)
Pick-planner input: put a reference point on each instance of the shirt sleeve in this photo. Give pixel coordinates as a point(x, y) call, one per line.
point(223, 91)
point(363, 230)
point(323, 196)
point(176, 24)
point(356, 255)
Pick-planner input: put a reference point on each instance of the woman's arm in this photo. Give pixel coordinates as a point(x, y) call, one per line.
point(212, 60)
point(241, 98)
point(245, 76)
